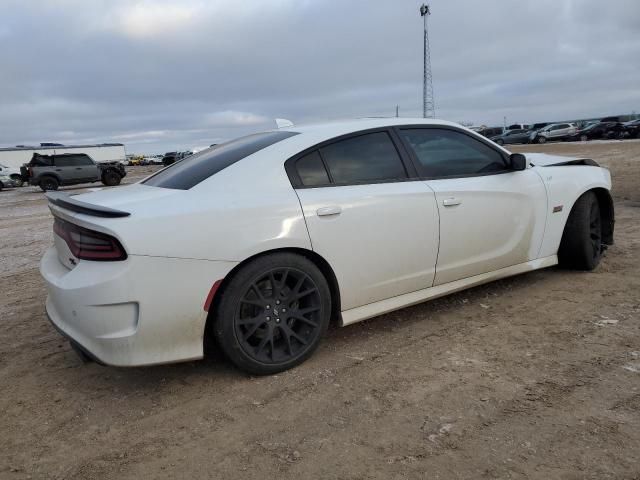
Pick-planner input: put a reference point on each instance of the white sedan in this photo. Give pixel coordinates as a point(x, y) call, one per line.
point(256, 245)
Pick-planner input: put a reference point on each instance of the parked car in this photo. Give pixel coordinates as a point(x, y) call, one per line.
point(7, 182)
point(172, 157)
point(266, 238)
point(50, 171)
point(519, 126)
point(555, 131)
point(632, 128)
point(513, 136)
point(491, 132)
point(601, 130)
point(13, 173)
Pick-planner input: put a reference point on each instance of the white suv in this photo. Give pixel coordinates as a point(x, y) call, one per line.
point(555, 131)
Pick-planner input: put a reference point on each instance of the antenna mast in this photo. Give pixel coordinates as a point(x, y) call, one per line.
point(428, 103)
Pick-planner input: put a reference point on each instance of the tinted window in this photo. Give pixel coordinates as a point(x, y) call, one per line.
point(41, 160)
point(311, 170)
point(366, 158)
point(444, 153)
point(186, 173)
point(71, 160)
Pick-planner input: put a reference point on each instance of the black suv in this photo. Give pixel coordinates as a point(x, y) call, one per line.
point(50, 171)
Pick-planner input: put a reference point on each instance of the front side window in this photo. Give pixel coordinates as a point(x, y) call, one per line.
point(185, 173)
point(448, 153)
point(371, 157)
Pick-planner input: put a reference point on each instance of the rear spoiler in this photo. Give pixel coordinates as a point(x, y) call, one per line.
point(66, 201)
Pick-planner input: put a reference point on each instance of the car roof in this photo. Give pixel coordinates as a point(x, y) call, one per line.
point(342, 127)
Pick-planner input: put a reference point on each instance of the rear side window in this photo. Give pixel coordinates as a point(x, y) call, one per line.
point(366, 158)
point(192, 170)
point(447, 153)
point(311, 170)
point(72, 160)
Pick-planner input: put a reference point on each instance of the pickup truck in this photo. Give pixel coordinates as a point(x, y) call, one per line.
point(50, 171)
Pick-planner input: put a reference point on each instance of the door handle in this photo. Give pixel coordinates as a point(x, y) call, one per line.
point(58, 169)
point(78, 168)
point(326, 211)
point(450, 202)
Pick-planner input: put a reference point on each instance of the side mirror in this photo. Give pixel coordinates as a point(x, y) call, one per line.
point(518, 161)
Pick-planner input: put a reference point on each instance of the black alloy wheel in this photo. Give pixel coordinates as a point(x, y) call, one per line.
point(273, 313)
point(277, 318)
point(595, 231)
point(581, 246)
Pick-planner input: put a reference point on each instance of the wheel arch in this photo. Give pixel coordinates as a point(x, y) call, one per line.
point(48, 174)
point(605, 202)
point(318, 261)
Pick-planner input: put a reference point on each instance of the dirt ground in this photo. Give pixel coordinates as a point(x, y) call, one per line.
point(536, 376)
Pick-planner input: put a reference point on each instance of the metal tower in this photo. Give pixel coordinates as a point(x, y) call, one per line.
point(428, 103)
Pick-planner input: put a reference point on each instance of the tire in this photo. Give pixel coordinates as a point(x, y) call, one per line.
point(273, 313)
point(18, 180)
point(500, 142)
point(584, 138)
point(542, 139)
point(111, 178)
point(581, 244)
point(48, 183)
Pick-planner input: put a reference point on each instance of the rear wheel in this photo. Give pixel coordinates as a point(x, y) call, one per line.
point(542, 139)
point(581, 245)
point(273, 313)
point(49, 183)
point(584, 138)
point(111, 178)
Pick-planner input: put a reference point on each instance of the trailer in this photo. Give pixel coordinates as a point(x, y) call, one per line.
point(100, 153)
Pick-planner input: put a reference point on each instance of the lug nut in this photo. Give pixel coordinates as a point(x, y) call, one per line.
point(277, 320)
point(268, 318)
point(277, 302)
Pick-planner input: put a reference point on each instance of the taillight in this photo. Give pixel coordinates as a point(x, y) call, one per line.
point(88, 244)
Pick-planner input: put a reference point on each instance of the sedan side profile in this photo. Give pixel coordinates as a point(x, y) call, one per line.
point(267, 238)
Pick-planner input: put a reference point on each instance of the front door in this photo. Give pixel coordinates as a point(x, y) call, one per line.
point(490, 216)
point(377, 229)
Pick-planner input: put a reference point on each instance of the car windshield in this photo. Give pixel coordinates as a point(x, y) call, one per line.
point(189, 171)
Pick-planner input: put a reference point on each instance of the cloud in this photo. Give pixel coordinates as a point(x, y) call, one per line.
point(170, 75)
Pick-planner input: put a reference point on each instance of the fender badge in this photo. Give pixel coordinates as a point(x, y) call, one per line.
point(557, 209)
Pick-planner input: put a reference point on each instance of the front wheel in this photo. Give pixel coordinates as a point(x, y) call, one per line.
point(542, 139)
point(273, 313)
point(581, 244)
point(500, 142)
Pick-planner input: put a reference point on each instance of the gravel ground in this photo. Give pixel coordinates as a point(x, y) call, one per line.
point(536, 376)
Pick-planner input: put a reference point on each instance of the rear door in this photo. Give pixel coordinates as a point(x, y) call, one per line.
point(377, 228)
point(490, 216)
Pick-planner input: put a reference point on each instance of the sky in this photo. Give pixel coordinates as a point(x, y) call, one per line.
point(176, 75)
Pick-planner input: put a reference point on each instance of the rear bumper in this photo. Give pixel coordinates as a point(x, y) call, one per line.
point(141, 311)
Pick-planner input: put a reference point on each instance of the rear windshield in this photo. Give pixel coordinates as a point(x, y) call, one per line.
point(192, 170)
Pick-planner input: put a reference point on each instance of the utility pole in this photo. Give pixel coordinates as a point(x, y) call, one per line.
point(428, 103)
